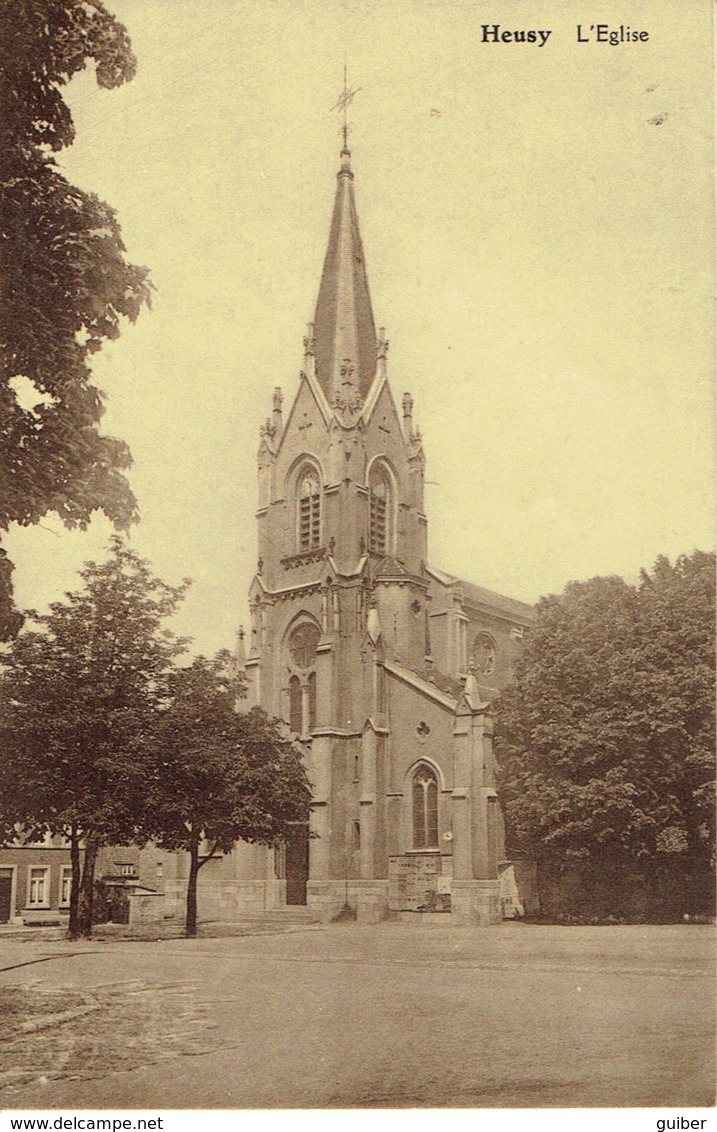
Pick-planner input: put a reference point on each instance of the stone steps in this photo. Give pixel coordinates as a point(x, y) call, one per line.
point(293, 913)
point(428, 919)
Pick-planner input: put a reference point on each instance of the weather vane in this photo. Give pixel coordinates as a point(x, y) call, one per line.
point(345, 99)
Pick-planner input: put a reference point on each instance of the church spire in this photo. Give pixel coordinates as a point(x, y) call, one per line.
point(344, 329)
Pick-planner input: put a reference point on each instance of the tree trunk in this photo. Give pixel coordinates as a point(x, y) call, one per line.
point(87, 889)
point(73, 928)
point(194, 866)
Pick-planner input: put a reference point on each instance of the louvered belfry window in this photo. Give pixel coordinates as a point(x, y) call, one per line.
point(309, 510)
point(425, 809)
point(378, 514)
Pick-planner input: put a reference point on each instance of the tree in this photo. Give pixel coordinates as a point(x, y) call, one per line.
point(218, 775)
point(65, 284)
point(606, 742)
point(75, 693)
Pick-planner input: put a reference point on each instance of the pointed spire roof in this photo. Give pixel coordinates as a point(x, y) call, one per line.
point(344, 329)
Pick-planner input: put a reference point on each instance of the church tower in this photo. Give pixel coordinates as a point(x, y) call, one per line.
point(343, 611)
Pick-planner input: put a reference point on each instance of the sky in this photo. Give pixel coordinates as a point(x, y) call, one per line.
point(538, 228)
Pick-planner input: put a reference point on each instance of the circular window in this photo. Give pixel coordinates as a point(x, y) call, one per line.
point(303, 643)
point(484, 654)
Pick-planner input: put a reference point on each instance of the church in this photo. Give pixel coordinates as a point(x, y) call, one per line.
point(382, 666)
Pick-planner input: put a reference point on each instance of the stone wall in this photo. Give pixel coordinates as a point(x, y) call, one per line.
point(231, 899)
point(476, 902)
point(417, 883)
point(326, 899)
point(146, 907)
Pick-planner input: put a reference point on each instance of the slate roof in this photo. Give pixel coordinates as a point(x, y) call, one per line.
point(479, 595)
point(390, 567)
point(445, 684)
point(343, 323)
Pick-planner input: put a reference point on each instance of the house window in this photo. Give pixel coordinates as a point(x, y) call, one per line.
point(295, 713)
point(65, 885)
point(357, 836)
point(39, 888)
point(425, 809)
point(125, 869)
point(309, 510)
point(379, 501)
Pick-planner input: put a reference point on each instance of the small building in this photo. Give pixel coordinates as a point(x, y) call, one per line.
point(35, 878)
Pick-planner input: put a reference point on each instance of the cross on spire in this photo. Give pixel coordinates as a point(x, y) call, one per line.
point(344, 329)
point(342, 105)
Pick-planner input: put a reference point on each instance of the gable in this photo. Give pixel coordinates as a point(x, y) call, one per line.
point(384, 435)
point(304, 434)
point(422, 724)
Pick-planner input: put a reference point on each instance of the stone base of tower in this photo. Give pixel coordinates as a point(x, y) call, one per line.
point(226, 900)
point(476, 902)
point(327, 899)
point(232, 899)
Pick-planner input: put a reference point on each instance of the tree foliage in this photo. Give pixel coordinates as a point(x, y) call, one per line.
point(65, 283)
point(606, 739)
point(217, 775)
point(75, 693)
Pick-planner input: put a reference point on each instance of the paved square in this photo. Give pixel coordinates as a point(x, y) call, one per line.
point(393, 1015)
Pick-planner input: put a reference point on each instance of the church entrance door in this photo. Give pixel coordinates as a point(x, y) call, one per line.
point(297, 864)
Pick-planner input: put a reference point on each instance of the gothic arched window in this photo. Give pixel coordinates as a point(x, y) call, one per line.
point(303, 643)
point(295, 712)
point(484, 654)
point(309, 508)
point(425, 809)
point(312, 701)
point(301, 647)
point(379, 494)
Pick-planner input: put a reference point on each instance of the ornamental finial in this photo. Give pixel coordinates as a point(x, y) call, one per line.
point(342, 105)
